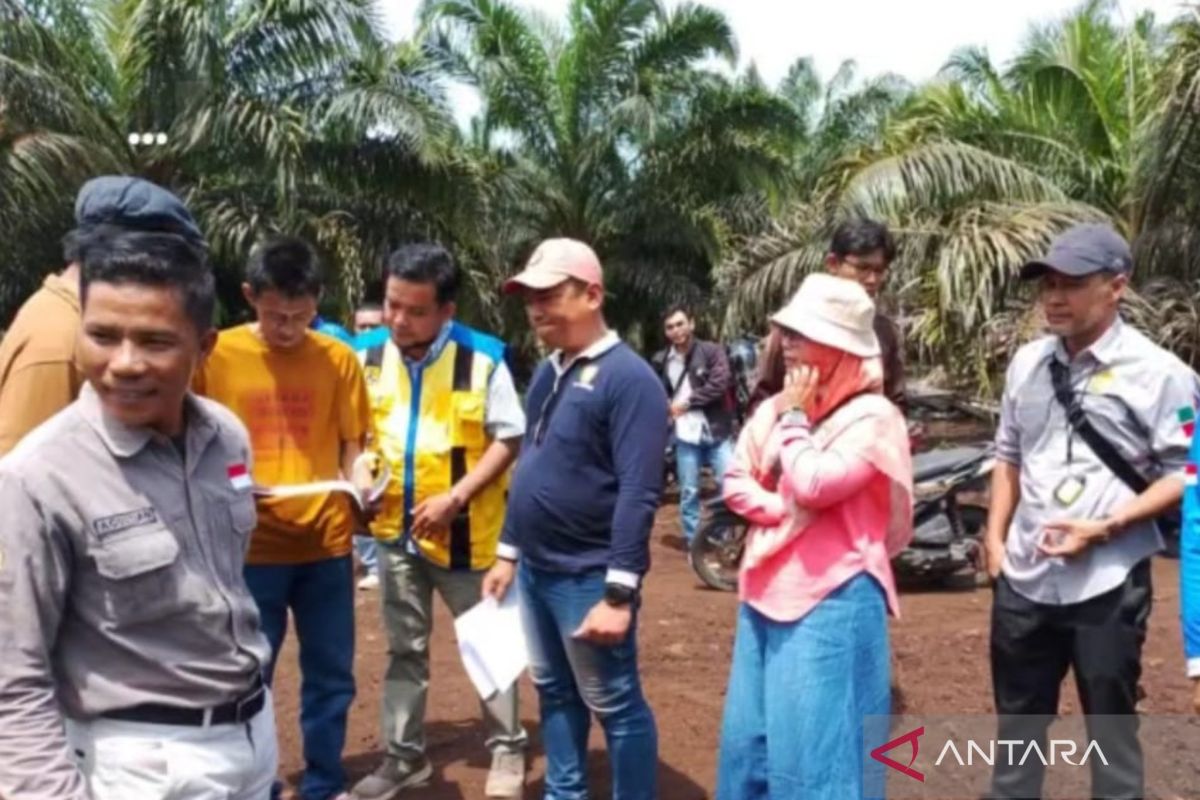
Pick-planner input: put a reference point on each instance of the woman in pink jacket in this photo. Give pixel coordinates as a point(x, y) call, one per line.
point(824, 476)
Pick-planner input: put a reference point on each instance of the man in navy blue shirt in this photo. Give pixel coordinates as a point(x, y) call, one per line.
point(580, 509)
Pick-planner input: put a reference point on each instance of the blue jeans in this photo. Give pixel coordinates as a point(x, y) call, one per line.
point(799, 696)
point(321, 598)
point(368, 553)
point(574, 677)
point(689, 458)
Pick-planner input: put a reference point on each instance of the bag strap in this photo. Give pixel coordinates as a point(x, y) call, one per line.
point(687, 364)
point(1104, 449)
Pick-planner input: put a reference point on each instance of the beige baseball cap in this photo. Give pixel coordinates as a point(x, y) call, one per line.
point(555, 261)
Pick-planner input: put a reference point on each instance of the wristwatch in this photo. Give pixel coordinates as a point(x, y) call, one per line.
point(619, 595)
point(794, 416)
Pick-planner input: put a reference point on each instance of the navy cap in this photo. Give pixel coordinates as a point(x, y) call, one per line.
point(1083, 250)
point(137, 204)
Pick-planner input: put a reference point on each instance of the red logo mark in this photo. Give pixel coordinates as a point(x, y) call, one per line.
point(912, 738)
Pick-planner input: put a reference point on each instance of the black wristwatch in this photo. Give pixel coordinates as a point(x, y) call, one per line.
point(619, 595)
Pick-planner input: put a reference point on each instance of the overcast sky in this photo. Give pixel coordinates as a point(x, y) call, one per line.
point(910, 37)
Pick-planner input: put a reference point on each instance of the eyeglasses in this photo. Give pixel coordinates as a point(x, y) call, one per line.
point(879, 268)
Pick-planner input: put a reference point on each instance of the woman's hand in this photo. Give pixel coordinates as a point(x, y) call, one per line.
point(799, 390)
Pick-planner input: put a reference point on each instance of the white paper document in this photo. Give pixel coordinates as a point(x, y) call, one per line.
point(492, 643)
point(364, 462)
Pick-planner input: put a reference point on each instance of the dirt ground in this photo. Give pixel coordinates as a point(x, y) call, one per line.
point(686, 637)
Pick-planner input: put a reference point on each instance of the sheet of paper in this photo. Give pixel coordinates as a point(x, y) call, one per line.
point(327, 487)
point(491, 641)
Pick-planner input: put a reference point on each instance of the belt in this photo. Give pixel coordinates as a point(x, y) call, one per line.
point(241, 710)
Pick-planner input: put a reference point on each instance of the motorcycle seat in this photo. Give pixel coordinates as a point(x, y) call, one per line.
point(935, 463)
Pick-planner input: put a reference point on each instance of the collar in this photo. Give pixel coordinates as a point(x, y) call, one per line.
point(435, 349)
point(63, 289)
point(124, 441)
point(598, 348)
point(674, 355)
point(1104, 350)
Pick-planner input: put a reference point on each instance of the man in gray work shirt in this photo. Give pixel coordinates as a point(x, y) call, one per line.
point(130, 649)
point(1069, 541)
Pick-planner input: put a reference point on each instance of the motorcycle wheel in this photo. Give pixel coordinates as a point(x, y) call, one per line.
point(974, 521)
point(716, 550)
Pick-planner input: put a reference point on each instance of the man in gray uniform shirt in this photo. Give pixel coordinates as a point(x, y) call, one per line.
point(1069, 540)
point(130, 648)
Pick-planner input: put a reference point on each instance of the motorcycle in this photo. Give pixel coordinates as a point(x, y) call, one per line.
point(947, 534)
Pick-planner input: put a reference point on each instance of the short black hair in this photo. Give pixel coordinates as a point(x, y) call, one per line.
point(368, 307)
point(426, 263)
point(164, 260)
point(860, 237)
point(79, 239)
point(677, 308)
point(72, 246)
point(285, 264)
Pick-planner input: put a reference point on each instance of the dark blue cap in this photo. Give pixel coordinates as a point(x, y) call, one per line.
point(1083, 250)
point(137, 204)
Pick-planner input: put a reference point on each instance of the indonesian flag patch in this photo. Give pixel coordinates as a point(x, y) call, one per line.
point(1190, 475)
point(1187, 419)
point(239, 477)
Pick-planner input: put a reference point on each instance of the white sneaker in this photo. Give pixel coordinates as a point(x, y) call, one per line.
point(507, 776)
point(368, 582)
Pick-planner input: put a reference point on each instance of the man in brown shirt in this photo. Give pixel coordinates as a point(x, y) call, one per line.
point(39, 367)
point(39, 372)
point(862, 250)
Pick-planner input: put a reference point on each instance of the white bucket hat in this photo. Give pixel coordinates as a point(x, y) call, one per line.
point(833, 311)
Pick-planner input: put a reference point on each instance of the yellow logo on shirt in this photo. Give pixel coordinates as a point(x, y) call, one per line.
point(1101, 382)
point(587, 376)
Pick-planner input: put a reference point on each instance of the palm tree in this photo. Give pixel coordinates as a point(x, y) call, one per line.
point(980, 169)
point(610, 130)
point(277, 116)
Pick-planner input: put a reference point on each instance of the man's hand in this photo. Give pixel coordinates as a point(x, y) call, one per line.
point(993, 557)
point(498, 579)
point(605, 625)
point(1071, 537)
point(432, 517)
point(678, 409)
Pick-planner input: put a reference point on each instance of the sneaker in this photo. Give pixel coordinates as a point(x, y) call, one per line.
point(392, 777)
point(369, 581)
point(507, 775)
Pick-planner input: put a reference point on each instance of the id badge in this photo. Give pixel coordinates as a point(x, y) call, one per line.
point(1069, 491)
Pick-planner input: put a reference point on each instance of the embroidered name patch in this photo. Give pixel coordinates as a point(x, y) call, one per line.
point(105, 526)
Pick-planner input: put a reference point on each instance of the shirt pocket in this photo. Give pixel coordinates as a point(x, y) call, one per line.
point(468, 422)
point(136, 572)
point(243, 518)
point(579, 424)
point(233, 520)
point(1034, 414)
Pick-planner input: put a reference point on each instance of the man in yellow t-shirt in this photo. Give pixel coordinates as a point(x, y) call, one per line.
point(303, 399)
